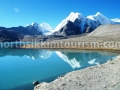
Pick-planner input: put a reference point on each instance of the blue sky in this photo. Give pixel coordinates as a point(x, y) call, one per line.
point(23, 12)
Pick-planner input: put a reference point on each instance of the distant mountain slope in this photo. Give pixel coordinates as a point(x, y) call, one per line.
point(68, 29)
point(10, 36)
point(106, 30)
point(32, 29)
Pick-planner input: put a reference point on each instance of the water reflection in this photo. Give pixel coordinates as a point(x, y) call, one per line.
point(82, 59)
point(78, 59)
point(30, 53)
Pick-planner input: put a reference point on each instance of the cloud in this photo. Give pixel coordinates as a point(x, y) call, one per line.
point(16, 10)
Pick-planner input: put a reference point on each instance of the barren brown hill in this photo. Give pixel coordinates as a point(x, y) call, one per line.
point(106, 30)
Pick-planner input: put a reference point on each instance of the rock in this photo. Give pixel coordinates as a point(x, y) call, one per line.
point(35, 83)
point(68, 29)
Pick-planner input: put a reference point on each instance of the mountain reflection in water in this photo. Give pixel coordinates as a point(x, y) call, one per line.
point(74, 59)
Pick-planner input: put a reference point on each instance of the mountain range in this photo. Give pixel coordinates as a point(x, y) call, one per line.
point(74, 24)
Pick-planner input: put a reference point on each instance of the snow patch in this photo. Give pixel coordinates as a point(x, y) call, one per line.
point(116, 20)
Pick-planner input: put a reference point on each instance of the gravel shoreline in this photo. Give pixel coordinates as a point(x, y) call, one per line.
point(101, 77)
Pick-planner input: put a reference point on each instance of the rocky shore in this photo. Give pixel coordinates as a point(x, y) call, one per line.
point(101, 77)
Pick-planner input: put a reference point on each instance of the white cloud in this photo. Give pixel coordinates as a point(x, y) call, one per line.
point(16, 10)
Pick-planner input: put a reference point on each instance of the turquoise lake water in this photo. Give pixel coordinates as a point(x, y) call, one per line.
point(20, 67)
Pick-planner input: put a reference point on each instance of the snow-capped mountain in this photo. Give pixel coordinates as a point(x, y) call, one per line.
point(72, 17)
point(84, 24)
point(99, 18)
point(43, 28)
point(34, 28)
point(75, 23)
point(36, 25)
point(46, 29)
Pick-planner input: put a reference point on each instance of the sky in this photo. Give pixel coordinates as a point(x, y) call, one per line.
point(23, 12)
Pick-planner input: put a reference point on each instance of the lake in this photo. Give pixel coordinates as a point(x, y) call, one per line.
point(20, 67)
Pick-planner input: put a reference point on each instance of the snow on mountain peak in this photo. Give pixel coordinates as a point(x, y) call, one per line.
point(46, 29)
point(98, 14)
point(45, 26)
point(34, 24)
point(90, 17)
point(72, 17)
point(99, 18)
